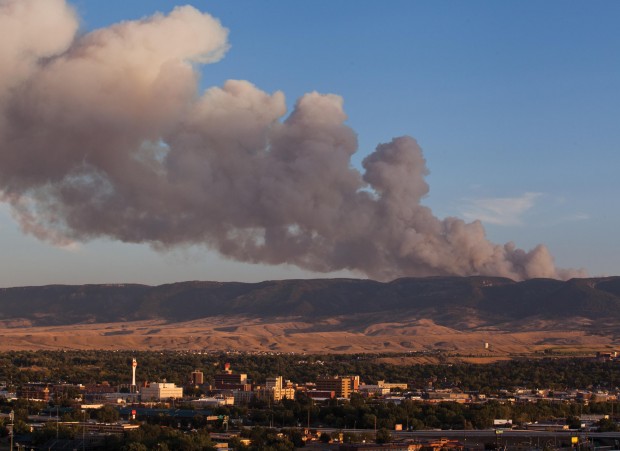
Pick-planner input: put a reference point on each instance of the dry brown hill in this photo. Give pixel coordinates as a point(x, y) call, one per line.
point(337, 315)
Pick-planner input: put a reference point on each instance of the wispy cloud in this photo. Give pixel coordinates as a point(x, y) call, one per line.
point(577, 217)
point(574, 217)
point(71, 246)
point(506, 211)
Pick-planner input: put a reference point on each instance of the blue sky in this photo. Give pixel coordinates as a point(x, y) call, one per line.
point(515, 104)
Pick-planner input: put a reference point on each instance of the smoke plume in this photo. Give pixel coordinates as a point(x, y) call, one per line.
point(105, 134)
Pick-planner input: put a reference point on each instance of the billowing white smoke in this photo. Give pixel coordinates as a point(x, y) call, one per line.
point(105, 134)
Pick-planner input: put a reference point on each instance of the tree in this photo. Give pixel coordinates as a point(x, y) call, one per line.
point(350, 437)
point(107, 414)
point(135, 447)
point(325, 437)
point(573, 422)
point(296, 437)
point(607, 425)
point(383, 436)
point(51, 430)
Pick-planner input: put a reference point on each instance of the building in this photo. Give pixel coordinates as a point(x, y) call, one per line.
point(380, 447)
point(606, 356)
point(286, 391)
point(214, 401)
point(373, 390)
point(393, 385)
point(197, 378)
point(273, 383)
point(34, 392)
point(118, 428)
point(320, 395)
point(158, 391)
point(342, 386)
point(443, 396)
point(230, 381)
point(277, 390)
point(242, 397)
point(409, 445)
point(355, 383)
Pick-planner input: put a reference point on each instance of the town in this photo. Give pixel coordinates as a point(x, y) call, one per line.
point(224, 406)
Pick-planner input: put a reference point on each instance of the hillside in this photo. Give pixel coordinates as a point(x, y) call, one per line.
point(342, 314)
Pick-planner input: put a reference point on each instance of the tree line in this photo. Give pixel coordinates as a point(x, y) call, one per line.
point(85, 367)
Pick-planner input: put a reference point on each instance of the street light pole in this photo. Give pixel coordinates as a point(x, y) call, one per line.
point(11, 418)
point(84, 432)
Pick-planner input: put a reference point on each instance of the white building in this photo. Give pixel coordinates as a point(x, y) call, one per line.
point(376, 390)
point(160, 391)
point(278, 390)
point(214, 401)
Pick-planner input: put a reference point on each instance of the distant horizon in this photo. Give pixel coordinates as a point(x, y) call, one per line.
point(293, 279)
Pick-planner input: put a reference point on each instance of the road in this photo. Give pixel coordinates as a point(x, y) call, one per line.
point(480, 437)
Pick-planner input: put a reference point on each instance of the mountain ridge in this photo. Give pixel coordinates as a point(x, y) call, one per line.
point(490, 299)
point(483, 317)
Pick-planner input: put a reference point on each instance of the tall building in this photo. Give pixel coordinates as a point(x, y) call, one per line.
point(197, 378)
point(230, 381)
point(341, 386)
point(355, 383)
point(277, 390)
point(273, 383)
point(230, 378)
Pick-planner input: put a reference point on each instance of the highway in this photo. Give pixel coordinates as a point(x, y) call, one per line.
point(480, 437)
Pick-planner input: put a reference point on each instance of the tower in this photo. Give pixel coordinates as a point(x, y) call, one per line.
point(134, 364)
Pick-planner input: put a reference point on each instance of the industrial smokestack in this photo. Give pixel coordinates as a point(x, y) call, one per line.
point(104, 134)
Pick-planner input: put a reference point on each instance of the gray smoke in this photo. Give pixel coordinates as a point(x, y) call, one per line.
point(105, 135)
